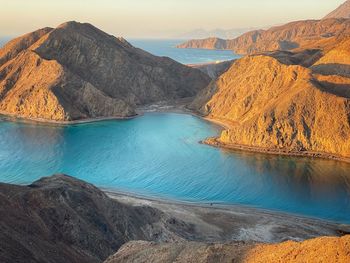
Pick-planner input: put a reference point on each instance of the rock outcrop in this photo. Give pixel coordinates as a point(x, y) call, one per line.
point(330, 249)
point(62, 219)
point(311, 34)
point(76, 71)
point(270, 103)
point(343, 11)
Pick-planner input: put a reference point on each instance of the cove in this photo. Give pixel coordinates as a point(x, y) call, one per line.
point(158, 155)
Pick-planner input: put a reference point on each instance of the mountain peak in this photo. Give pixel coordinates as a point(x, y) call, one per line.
point(343, 11)
point(77, 71)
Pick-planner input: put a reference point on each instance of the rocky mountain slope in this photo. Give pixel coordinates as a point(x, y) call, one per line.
point(284, 103)
point(60, 218)
point(311, 34)
point(335, 250)
point(343, 11)
point(76, 71)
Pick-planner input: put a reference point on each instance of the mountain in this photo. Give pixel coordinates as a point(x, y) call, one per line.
point(330, 249)
point(77, 71)
point(292, 36)
point(219, 33)
point(60, 218)
point(343, 11)
point(284, 102)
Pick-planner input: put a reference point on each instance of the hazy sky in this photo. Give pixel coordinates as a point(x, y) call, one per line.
point(157, 18)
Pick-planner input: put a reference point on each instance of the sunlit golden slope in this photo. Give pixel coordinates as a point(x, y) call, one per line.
point(278, 107)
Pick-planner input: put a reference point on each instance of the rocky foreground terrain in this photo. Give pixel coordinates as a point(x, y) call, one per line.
point(76, 71)
point(310, 34)
point(317, 250)
point(62, 219)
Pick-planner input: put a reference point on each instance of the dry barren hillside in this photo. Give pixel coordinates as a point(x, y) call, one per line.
point(283, 102)
point(76, 71)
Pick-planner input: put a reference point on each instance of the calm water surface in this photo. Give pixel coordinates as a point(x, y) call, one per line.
point(159, 155)
point(186, 56)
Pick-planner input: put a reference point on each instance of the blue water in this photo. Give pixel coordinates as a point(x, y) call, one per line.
point(168, 48)
point(158, 155)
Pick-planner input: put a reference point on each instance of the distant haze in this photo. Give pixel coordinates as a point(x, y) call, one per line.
point(157, 18)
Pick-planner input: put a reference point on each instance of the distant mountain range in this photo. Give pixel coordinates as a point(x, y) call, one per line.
point(219, 33)
point(291, 36)
point(294, 35)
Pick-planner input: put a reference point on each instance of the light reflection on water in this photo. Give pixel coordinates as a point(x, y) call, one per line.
point(158, 154)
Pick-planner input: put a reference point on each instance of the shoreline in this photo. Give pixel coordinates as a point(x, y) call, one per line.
point(225, 223)
point(179, 106)
point(214, 142)
point(144, 199)
point(16, 118)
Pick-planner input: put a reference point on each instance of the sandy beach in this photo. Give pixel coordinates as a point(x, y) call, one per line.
point(223, 223)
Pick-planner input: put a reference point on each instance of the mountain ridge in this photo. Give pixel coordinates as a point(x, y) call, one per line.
point(77, 71)
point(291, 36)
point(284, 103)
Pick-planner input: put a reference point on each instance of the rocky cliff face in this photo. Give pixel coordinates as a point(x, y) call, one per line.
point(311, 34)
point(316, 250)
point(273, 103)
point(62, 219)
point(76, 71)
point(343, 11)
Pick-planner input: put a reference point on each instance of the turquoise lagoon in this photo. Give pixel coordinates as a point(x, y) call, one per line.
point(158, 155)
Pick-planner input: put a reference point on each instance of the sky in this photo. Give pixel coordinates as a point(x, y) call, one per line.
point(157, 18)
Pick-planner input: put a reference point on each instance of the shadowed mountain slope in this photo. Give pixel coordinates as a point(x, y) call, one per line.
point(76, 71)
point(62, 219)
